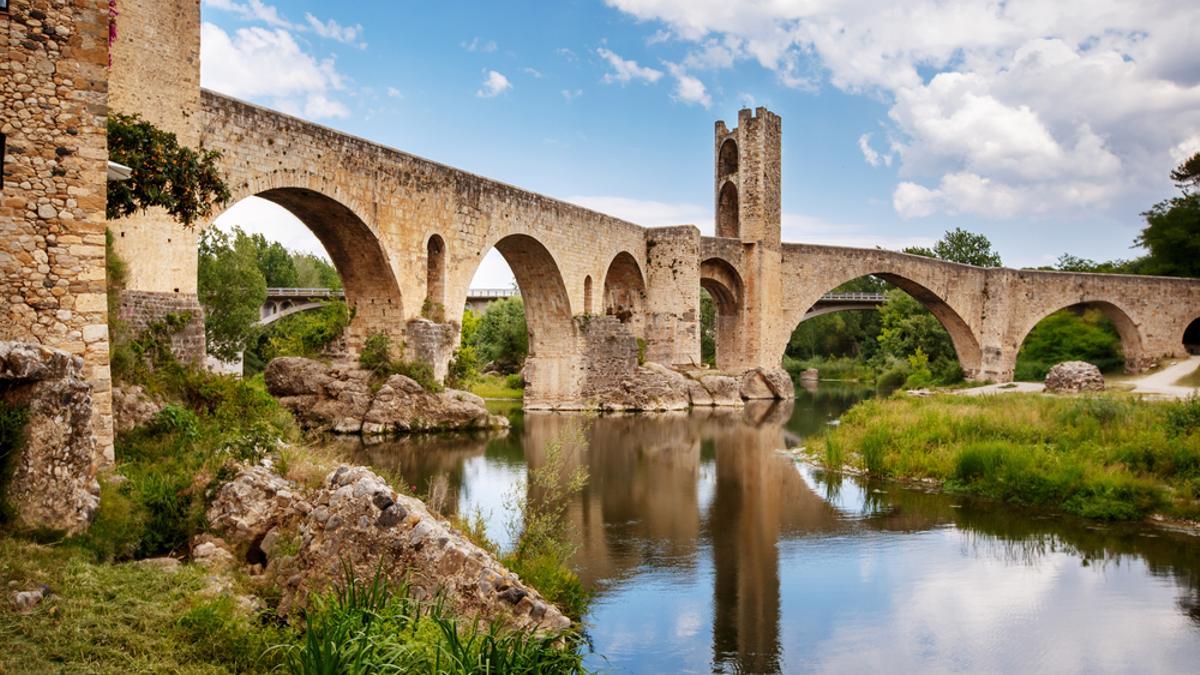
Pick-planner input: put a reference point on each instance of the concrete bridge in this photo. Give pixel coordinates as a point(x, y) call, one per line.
point(283, 302)
point(407, 235)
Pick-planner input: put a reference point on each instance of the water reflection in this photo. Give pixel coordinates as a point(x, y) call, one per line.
point(711, 550)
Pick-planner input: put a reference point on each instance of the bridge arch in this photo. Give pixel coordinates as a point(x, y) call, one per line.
point(1131, 337)
point(1191, 337)
point(625, 290)
point(354, 247)
point(724, 284)
point(435, 276)
point(549, 366)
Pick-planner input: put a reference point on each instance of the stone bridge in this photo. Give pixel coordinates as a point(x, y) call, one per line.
point(407, 235)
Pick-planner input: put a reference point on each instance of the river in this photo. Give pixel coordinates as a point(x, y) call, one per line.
point(710, 550)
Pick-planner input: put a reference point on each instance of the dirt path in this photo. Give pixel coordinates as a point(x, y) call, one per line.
point(1159, 384)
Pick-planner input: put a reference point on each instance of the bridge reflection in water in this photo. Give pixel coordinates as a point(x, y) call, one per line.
point(708, 549)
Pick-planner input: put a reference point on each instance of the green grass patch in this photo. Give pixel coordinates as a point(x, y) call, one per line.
point(124, 618)
point(1103, 457)
point(495, 385)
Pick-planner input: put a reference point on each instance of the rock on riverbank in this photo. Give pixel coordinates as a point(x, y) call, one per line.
point(303, 540)
point(339, 397)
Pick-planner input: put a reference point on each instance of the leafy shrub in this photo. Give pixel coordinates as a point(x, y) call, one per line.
point(174, 419)
point(514, 381)
point(919, 375)
point(641, 352)
point(376, 356)
point(892, 379)
point(1184, 417)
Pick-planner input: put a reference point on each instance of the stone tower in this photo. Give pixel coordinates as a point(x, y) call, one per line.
point(747, 200)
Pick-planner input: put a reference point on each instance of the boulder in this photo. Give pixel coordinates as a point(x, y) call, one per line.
point(767, 383)
point(340, 397)
point(304, 542)
point(132, 407)
point(1073, 377)
point(723, 389)
point(53, 483)
point(810, 374)
point(651, 387)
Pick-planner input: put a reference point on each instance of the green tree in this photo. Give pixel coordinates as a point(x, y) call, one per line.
point(708, 329)
point(502, 337)
point(961, 246)
point(231, 289)
point(275, 263)
point(1172, 233)
point(185, 182)
point(1070, 336)
point(314, 272)
point(906, 326)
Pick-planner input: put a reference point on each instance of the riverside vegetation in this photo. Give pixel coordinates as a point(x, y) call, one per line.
point(109, 612)
point(1106, 457)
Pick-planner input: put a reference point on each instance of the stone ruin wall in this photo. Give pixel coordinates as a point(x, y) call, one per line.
point(53, 87)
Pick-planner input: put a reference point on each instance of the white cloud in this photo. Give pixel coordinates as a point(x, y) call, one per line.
point(254, 10)
point(1053, 104)
point(566, 54)
point(871, 155)
point(532, 72)
point(267, 63)
point(334, 31)
point(493, 85)
point(480, 45)
point(688, 88)
point(625, 71)
point(571, 94)
point(393, 92)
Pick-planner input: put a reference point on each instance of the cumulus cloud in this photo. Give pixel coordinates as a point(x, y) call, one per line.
point(625, 71)
point(258, 62)
point(1048, 105)
point(571, 94)
point(493, 85)
point(688, 88)
point(254, 10)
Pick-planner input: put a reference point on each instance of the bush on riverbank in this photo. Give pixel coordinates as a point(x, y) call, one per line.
point(1103, 457)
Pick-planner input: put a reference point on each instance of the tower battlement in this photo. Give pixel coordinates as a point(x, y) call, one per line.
point(747, 177)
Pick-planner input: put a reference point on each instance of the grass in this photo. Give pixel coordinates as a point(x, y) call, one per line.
point(366, 626)
point(123, 618)
point(1103, 457)
point(497, 386)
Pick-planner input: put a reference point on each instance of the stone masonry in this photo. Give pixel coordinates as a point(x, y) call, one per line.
point(53, 84)
point(141, 309)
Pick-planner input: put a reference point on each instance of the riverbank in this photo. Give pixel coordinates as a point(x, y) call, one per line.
point(1104, 457)
point(154, 587)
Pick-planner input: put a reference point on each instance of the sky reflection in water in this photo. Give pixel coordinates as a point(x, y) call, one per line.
point(711, 550)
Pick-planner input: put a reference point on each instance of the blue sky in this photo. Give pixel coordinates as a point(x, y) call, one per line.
point(1047, 128)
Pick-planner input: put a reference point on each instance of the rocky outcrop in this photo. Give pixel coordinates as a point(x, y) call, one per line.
point(1074, 376)
point(53, 484)
point(303, 539)
point(767, 383)
point(340, 397)
point(652, 387)
point(132, 407)
point(715, 391)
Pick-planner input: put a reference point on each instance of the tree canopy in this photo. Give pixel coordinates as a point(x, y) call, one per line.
point(185, 182)
point(231, 289)
point(961, 246)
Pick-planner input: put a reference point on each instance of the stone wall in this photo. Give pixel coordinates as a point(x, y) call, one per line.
point(53, 484)
point(142, 309)
point(53, 88)
point(611, 353)
point(432, 343)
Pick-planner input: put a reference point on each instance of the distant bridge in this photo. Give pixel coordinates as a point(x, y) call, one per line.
point(283, 302)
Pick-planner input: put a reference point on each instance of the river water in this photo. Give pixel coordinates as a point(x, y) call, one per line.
point(710, 550)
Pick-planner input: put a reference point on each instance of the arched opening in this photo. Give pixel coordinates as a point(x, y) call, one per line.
point(435, 279)
point(625, 291)
point(587, 294)
point(885, 329)
point(527, 338)
point(1191, 337)
point(727, 212)
point(1097, 332)
point(727, 159)
point(723, 285)
point(323, 265)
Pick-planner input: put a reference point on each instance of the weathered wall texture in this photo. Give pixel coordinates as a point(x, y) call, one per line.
point(141, 310)
point(156, 75)
point(52, 112)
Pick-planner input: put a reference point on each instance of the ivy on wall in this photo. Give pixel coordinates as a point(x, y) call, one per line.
point(185, 182)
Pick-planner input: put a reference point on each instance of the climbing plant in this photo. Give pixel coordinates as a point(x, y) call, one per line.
point(185, 182)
